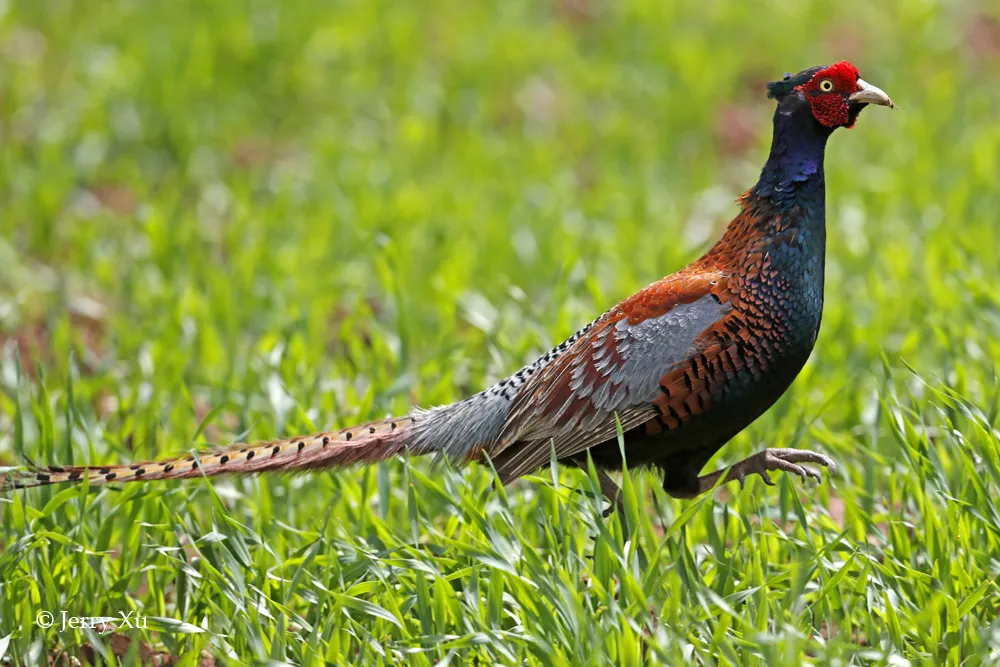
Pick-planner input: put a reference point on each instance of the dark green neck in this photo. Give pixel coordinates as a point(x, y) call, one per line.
point(793, 174)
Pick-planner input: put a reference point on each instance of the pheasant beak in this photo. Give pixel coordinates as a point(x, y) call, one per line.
point(869, 94)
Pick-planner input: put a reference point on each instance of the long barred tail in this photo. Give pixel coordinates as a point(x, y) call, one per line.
point(372, 442)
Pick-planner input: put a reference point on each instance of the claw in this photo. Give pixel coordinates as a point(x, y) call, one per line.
point(766, 477)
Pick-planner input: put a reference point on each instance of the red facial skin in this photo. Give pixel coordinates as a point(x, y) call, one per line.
point(830, 107)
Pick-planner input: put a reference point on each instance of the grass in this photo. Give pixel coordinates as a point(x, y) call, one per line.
point(246, 219)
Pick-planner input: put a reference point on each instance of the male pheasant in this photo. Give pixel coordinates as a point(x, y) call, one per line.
point(684, 365)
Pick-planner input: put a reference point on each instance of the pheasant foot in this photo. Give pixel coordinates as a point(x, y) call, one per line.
point(770, 460)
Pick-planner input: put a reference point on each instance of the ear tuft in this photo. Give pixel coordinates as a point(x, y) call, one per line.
point(776, 90)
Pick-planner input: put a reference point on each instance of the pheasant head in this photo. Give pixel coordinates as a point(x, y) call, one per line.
point(836, 94)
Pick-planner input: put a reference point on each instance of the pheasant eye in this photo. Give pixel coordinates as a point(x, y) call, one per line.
point(826, 85)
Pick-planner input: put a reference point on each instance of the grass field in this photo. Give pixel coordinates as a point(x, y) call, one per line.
point(250, 219)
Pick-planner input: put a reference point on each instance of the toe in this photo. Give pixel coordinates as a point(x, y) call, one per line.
point(804, 456)
point(793, 469)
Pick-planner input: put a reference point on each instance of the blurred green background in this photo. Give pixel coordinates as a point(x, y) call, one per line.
point(249, 219)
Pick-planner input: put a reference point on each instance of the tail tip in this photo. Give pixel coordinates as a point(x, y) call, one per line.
point(11, 479)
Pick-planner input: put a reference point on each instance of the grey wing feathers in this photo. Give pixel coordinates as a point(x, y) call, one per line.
point(615, 369)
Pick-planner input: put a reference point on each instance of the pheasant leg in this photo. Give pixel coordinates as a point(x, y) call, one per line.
point(611, 492)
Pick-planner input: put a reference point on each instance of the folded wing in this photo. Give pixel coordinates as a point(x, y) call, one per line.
point(616, 368)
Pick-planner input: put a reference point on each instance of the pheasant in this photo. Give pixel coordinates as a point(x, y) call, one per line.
point(683, 365)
